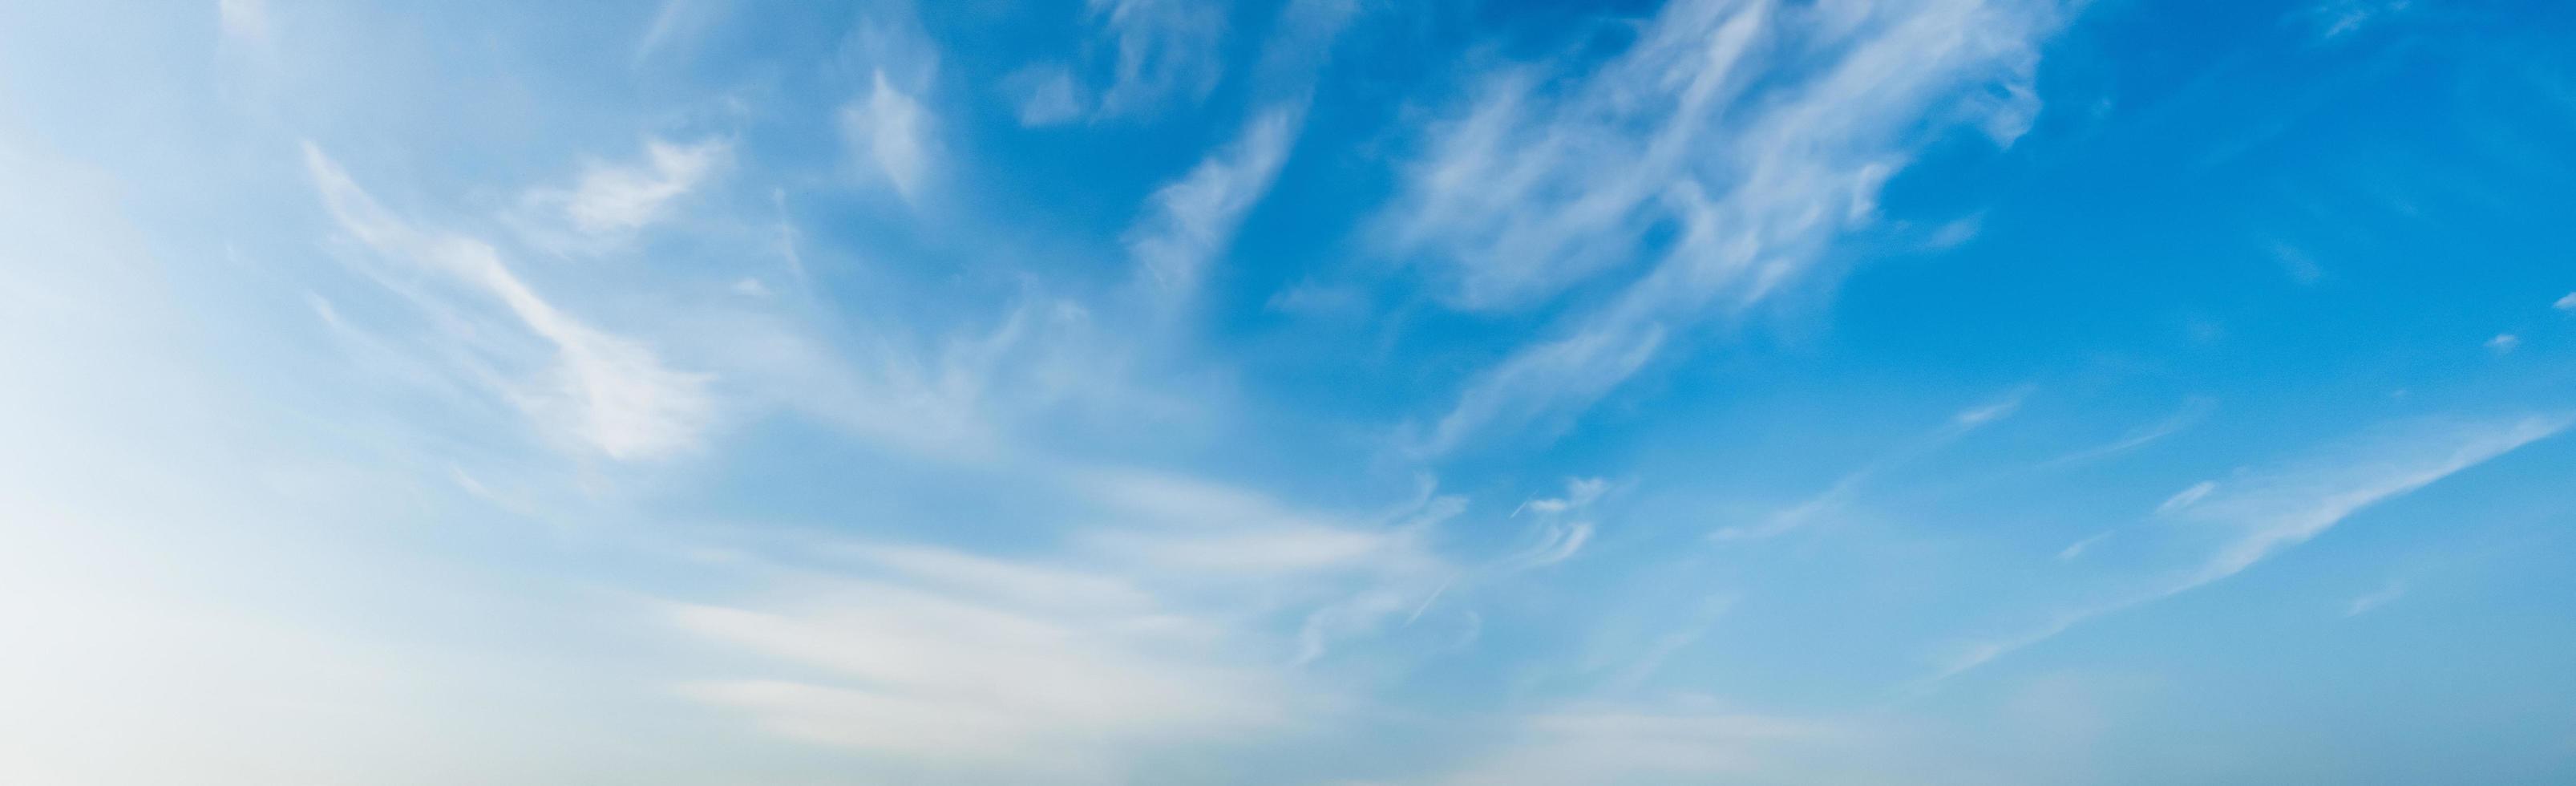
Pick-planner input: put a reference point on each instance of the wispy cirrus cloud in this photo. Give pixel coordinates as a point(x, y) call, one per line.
point(607, 391)
point(1166, 53)
point(1167, 50)
point(2186, 497)
point(1189, 222)
point(1177, 614)
point(2338, 18)
point(890, 127)
point(954, 681)
point(1161, 53)
point(1755, 131)
point(2372, 600)
point(674, 22)
point(2193, 411)
point(1846, 490)
point(2260, 515)
point(609, 203)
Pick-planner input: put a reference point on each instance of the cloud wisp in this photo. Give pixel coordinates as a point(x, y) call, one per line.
point(1755, 132)
point(1847, 490)
point(1189, 222)
point(1183, 616)
point(610, 203)
point(890, 127)
point(2261, 515)
point(603, 390)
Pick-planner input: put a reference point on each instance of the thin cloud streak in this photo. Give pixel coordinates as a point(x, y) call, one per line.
point(1847, 490)
point(2293, 505)
point(1191, 221)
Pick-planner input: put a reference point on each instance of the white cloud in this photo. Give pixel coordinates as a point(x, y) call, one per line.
point(2192, 412)
point(607, 391)
point(613, 200)
point(2371, 601)
point(1167, 50)
point(1558, 539)
point(982, 392)
point(960, 682)
point(2295, 505)
point(1301, 39)
point(2185, 498)
point(1045, 95)
point(1846, 490)
point(1556, 544)
point(1188, 223)
point(2264, 514)
point(1757, 130)
point(893, 130)
point(1554, 378)
point(2337, 18)
point(1356, 576)
point(1183, 526)
point(1579, 492)
point(675, 22)
point(1991, 412)
point(2504, 342)
point(2077, 549)
point(2567, 303)
point(1262, 552)
point(1144, 628)
point(1020, 582)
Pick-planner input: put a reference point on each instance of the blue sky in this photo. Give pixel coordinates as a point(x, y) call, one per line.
point(1297, 392)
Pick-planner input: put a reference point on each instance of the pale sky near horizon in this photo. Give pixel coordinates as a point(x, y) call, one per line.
point(1287, 392)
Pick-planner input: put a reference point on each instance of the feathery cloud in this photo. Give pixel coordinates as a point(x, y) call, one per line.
point(1167, 51)
point(607, 391)
point(1847, 489)
point(1131, 634)
point(1757, 130)
point(610, 202)
point(1190, 221)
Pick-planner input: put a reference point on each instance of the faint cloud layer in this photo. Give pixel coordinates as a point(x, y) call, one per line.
point(1133, 634)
